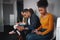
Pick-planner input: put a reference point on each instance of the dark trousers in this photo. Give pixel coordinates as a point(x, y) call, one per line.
point(33, 36)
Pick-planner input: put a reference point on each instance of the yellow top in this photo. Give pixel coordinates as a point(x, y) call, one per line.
point(47, 22)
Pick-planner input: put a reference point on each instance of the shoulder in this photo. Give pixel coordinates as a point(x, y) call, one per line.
point(50, 14)
point(34, 15)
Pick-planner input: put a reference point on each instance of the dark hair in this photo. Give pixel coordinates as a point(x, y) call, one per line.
point(42, 3)
point(25, 10)
point(31, 11)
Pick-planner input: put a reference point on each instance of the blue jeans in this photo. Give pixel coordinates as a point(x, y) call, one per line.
point(32, 36)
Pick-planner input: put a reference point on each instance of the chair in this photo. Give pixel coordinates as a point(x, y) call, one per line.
point(58, 29)
point(54, 33)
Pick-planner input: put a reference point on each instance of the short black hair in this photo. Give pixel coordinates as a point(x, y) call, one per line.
point(31, 11)
point(28, 10)
point(25, 10)
point(42, 3)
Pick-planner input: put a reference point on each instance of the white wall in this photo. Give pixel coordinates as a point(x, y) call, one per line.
point(31, 4)
point(54, 6)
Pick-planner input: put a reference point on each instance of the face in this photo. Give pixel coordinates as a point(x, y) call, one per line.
point(42, 10)
point(22, 14)
point(27, 14)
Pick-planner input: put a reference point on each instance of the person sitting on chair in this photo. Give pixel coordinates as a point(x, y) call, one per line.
point(32, 21)
point(23, 23)
point(45, 31)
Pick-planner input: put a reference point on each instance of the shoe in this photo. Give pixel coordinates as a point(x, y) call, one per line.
point(12, 32)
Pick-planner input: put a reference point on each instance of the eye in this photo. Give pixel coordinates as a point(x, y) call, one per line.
point(40, 10)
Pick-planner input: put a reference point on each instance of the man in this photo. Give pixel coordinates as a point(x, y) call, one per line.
point(32, 21)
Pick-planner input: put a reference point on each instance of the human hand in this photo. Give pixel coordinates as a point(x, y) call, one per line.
point(20, 28)
point(34, 31)
point(26, 28)
point(39, 33)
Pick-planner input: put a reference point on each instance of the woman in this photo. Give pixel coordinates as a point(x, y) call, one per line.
point(44, 32)
point(32, 21)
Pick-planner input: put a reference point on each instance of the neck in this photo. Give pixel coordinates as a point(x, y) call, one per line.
point(44, 14)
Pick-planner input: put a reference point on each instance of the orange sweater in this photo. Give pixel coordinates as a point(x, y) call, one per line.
point(47, 23)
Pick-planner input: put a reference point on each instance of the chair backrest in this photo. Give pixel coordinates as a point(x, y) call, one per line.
point(54, 32)
point(58, 22)
point(58, 29)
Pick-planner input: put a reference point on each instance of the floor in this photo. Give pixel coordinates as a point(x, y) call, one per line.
point(4, 35)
